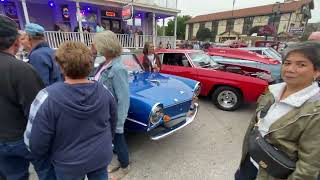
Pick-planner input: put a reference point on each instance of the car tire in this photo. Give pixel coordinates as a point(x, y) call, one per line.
point(227, 98)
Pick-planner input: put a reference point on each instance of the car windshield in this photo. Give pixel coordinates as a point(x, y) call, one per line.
point(201, 59)
point(128, 60)
point(274, 54)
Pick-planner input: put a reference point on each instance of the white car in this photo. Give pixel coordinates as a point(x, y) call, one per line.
point(265, 51)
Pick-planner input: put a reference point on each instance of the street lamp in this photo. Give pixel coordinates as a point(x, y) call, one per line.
point(275, 11)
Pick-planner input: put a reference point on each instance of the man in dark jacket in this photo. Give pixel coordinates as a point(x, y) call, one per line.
point(19, 86)
point(41, 56)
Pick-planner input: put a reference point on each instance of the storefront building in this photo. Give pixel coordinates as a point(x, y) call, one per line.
point(70, 15)
point(288, 17)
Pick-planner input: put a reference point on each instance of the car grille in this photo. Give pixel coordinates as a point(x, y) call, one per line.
point(177, 109)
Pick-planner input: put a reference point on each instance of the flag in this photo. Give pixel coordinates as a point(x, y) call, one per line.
point(234, 2)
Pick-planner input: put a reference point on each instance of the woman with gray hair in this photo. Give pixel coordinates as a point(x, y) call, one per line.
point(282, 141)
point(114, 76)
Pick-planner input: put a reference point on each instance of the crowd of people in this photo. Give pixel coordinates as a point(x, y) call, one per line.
point(68, 126)
point(45, 99)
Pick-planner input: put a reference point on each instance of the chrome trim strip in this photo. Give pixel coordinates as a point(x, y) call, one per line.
point(196, 86)
point(189, 120)
point(154, 106)
point(135, 121)
point(180, 102)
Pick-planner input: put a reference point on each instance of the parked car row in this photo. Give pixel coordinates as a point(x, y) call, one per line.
point(248, 58)
point(163, 103)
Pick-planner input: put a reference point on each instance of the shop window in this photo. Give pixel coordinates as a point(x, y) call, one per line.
point(230, 25)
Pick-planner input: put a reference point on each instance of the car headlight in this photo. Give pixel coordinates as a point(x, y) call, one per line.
point(156, 114)
point(197, 90)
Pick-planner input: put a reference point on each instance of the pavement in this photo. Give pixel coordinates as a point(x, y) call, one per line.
point(207, 149)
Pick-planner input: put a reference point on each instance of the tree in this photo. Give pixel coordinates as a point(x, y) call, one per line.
point(159, 30)
point(203, 34)
point(311, 27)
point(181, 26)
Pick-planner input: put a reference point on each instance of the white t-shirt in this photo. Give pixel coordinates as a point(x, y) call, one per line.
point(152, 59)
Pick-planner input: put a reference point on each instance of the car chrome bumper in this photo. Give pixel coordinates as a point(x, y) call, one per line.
point(188, 120)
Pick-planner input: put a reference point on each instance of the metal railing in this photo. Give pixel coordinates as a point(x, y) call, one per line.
point(165, 40)
point(55, 39)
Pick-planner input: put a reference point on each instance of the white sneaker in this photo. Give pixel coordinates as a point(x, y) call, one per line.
point(114, 165)
point(120, 173)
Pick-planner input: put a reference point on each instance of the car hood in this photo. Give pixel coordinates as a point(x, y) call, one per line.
point(241, 54)
point(160, 88)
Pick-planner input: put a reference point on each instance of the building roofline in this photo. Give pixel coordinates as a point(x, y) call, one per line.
point(117, 3)
point(286, 7)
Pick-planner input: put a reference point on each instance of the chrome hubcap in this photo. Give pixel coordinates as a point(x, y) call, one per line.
point(227, 99)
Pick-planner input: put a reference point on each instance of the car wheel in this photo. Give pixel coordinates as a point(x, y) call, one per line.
point(227, 98)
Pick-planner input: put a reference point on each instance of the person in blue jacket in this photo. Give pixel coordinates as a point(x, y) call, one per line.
point(113, 74)
point(41, 56)
point(73, 121)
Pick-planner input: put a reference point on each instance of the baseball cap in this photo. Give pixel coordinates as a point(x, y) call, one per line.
point(8, 27)
point(34, 29)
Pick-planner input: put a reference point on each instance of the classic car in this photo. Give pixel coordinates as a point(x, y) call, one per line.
point(160, 104)
point(228, 85)
point(265, 51)
point(247, 58)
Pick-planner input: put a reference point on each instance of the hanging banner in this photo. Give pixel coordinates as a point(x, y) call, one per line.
point(127, 12)
point(11, 10)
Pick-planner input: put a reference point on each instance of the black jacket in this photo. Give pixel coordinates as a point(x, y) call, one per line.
point(19, 85)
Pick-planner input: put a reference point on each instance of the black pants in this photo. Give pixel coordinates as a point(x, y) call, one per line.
point(247, 171)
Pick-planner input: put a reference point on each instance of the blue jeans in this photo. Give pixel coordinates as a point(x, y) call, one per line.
point(121, 149)
point(15, 160)
point(247, 170)
point(100, 174)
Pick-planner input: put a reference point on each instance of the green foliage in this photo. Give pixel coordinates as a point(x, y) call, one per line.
point(204, 34)
point(181, 27)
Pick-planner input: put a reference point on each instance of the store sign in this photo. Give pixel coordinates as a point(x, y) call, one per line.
point(127, 12)
point(110, 14)
point(296, 30)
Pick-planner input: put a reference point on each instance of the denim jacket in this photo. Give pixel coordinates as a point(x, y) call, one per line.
point(115, 78)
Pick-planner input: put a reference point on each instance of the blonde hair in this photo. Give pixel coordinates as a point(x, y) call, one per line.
point(107, 43)
point(75, 59)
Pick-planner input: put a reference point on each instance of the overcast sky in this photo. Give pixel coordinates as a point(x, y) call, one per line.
point(199, 7)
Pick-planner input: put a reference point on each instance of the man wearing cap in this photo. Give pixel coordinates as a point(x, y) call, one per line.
point(19, 84)
point(41, 56)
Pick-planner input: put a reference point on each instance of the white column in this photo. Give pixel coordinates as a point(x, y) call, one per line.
point(25, 11)
point(154, 29)
point(187, 32)
point(175, 32)
point(79, 18)
point(163, 27)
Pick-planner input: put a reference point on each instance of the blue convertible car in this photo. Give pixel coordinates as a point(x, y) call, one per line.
point(160, 104)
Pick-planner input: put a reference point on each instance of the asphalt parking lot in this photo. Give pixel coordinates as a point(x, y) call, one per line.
point(208, 149)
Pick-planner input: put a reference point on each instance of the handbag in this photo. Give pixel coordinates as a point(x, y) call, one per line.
point(272, 160)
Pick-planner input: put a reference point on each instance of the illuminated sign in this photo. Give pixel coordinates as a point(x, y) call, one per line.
point(127, 12)
point(65, 13)
point(110, 14)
